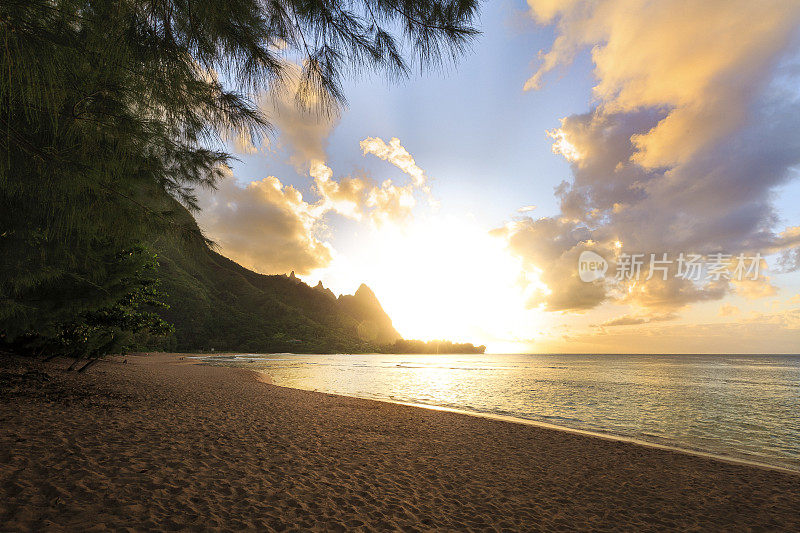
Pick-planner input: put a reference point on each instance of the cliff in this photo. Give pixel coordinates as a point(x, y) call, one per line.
point(217, 304)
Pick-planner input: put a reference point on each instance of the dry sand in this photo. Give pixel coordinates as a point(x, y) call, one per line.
point(161, 444)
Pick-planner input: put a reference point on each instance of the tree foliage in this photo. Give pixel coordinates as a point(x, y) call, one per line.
point(109, 109)
point(133, 295)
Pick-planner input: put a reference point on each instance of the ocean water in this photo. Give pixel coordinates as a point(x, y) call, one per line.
point(740, 406)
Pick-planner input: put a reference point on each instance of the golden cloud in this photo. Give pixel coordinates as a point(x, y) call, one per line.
point(265, 226)
point(269, 227)
point(702, 61)
point(396, 154)
point(689, 138)
point(359, 197)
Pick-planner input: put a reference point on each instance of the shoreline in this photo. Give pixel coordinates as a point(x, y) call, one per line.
point(164, 443)
point(583, 432)
point(519, 420)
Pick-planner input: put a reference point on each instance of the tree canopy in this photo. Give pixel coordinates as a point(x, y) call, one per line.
point(109, 109)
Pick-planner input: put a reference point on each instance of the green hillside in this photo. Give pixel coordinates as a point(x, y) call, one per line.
point(216, 304)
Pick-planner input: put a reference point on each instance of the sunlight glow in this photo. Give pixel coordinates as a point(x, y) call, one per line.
point(561, 145)
point(441, 278)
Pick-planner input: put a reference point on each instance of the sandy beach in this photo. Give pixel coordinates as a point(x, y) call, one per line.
point(159, 443)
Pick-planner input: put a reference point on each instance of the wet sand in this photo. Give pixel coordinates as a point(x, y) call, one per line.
point(161, 443)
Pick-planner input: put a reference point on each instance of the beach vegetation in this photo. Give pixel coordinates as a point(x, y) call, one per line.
point(114, 112)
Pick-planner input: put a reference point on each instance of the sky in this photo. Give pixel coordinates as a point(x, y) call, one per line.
point(647, 133)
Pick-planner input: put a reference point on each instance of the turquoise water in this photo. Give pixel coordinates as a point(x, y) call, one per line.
point(745, 407)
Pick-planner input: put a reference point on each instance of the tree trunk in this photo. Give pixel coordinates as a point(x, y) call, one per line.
point(87, 365)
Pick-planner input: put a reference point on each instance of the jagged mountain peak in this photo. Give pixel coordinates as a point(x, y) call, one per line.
point(321, 288)
point(364, 293)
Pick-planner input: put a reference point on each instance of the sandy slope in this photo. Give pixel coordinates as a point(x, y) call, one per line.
point(162, 444)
